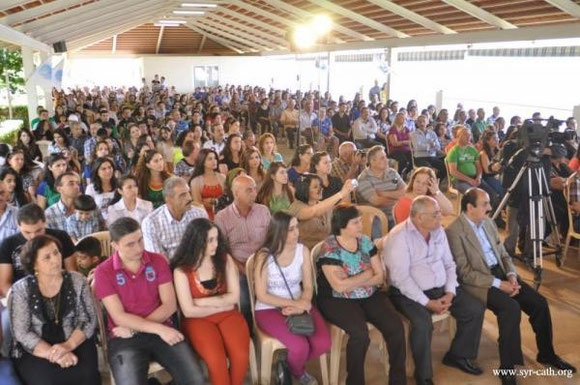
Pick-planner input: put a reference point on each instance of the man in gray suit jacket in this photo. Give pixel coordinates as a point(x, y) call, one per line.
point(486, 270)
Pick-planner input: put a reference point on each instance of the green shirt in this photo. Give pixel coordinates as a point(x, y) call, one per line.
point(279, 203)
point(465, 158)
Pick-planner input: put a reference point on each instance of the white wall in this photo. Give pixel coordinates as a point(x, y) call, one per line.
point(105, 71)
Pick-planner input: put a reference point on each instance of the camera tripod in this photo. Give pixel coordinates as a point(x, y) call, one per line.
point(541, 207)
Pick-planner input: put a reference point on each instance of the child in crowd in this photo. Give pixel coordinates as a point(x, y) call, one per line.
point(86, 219)
point(88, 255)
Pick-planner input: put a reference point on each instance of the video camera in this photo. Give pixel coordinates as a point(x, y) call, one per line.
point(535, 137)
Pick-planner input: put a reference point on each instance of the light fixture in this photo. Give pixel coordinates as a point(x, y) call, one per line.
point(183, 12)
point(303, 37)
point(167, 21)
point(166, 25)
point(200, 5)
point(321, 25)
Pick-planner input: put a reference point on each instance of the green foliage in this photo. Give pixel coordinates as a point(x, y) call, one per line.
point(10, 137)
point(18, 112)
point(11, 63)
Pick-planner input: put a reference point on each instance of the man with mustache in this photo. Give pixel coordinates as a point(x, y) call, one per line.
point(486, 271)
point(164, 227)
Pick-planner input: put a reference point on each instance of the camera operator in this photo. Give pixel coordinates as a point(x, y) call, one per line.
point(349, 163)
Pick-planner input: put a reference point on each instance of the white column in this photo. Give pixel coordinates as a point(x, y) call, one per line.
point(439, 100)
point(391, 60)
point(46, 90)
point(576, 115)
point(31, 94)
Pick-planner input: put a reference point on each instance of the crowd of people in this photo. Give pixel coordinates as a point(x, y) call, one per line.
point(192, 186)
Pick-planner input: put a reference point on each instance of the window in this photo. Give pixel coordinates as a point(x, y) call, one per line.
point(205, 76)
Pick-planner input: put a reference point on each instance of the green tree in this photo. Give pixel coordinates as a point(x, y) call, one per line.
point(11, 64)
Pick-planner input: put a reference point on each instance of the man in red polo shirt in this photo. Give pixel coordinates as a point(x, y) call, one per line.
point(136, 289)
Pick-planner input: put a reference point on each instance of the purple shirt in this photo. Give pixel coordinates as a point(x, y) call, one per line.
point(139, 293)
point(400, 135)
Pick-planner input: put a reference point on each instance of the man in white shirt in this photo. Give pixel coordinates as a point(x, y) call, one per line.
point(364, 130)
point(218, 142)
point(164, 227)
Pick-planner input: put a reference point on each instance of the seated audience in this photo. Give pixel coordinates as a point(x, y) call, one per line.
point(68, 186)
point(52, 319)
point(488, 274)
point(60, 142)
point(349, 275)
point(88, 254)
point(268, 150)
point(364, 130)
point(24, 170)
point(276, 193)
point(165, 226)
point(15, 194)
point(490, 162)
point(208, 291)
point(243, 224)
point(103, 184)
point(423, 182)
point(252, 165)
point(560, 172)
point(380, 186)
point(228, 196)
point(312, 211)
point(207, 184)
point(349, 163)
point(185, 167)
point(85, 220)
point(400, 144)
point(128, 204)
point(46, 194)
point(8, 214)
point(574, 203)
point(151, 175)
point(218, 141)
point(141, 330)
point(328, 141)
point(300, 163)
point(284, 287)
point(231, 156)
point(27, 143)
point(424, 282)
point(426, 148)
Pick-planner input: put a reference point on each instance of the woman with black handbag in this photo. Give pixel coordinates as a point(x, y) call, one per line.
point(52, 319)
point(284, 288)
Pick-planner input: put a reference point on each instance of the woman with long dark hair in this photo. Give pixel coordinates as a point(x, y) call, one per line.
point(208, 291)
point(231, 156)
point(27, 142)
point(276, 193)
point(46, 194)
point(17, 161)
point(284, 287)
point(52, 319)
point(13, 183)
point(103, 184)
point(206, 183)
point(60, 142)
point(252, 164)
point(150, 173)
point(490, 163)
point(300, 163)
point(321, 165)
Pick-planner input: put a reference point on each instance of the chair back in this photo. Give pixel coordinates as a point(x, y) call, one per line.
point(450, 188)
point(250, 266)
point(569, 182)
point(368, 214)
point(104, 238)
point(314, 253)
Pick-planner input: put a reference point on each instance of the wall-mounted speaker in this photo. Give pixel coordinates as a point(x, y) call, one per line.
point(59, 46)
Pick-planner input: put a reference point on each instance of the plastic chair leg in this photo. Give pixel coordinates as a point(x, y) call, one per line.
point(337, 336)
point(566, 246)
point(324, 369)
point(253, 364)
point(266, 357)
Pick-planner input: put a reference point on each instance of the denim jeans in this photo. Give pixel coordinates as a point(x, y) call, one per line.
point(129, 359)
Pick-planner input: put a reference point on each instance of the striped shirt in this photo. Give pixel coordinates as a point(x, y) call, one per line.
point(369, 184)
point(162, 233)
point(78, 229)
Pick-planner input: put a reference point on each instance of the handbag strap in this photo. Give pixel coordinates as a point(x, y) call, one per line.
point(283, 277)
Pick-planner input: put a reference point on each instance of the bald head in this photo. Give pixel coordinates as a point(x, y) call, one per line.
point(346, 149)
point(421, 205)
point(244, 190)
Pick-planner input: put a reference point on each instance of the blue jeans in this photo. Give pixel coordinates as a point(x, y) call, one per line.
point(129, 359)
point(495, 184)
point(7, 374)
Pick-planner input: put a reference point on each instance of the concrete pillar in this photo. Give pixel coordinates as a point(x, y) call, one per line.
point(391, 60)
point(47, 90)
point(32, 96)
point(576, 115)
point(439, 100)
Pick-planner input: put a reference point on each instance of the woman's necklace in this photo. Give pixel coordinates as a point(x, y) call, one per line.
point(55, 302)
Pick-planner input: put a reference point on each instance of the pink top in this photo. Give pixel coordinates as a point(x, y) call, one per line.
point(400, 135)
point(574, 164)
point(402, 209)
point(139, 293)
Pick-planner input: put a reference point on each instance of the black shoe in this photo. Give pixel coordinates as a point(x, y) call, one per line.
point(508, 380)
point(424, 382)
point(558, 363)
point(463, 364)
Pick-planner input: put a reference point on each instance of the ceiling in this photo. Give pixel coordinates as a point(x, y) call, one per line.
point(262, 26)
